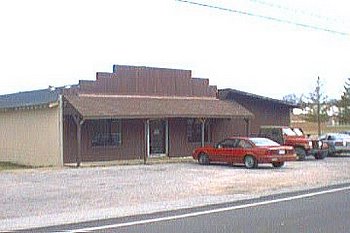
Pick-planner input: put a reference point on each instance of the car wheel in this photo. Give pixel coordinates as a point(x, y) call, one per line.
point(278, 164)
point(331, 151)
point(203, 159)
point(321, 155)
point(301, 153)
point(250, 162)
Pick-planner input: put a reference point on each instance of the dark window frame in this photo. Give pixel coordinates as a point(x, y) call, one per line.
point(228, 143)
point(194, 131)
point(106, 133)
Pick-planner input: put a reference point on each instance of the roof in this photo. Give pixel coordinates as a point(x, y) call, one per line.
point(223, 93)
point(132, 107)
point(29, 98)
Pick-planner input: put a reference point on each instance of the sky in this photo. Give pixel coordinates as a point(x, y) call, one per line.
point(58, 43)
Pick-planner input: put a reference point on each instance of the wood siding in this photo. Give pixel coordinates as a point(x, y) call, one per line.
point(228, 128)
point(178, 143)
point(132, 145)
point(146, 81)
point(133, 140)
point(265, 113)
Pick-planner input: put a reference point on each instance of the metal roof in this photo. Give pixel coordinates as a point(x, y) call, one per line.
point(223, 93)
point(29, 98)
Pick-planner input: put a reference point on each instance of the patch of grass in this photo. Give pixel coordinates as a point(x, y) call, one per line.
point(150, 161)
point(311, 127)
point(11, 166)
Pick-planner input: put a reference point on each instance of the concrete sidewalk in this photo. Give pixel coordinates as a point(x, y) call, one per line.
point(44, 197)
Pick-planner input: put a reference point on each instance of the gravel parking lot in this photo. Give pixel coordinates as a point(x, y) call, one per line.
point(41, 197)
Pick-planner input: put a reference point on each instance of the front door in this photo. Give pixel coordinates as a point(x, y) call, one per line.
point(157, 137)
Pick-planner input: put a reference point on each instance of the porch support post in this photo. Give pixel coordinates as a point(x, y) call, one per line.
point(145, 155)
point(202, 131)
point(247, 126)
point(79, 122)
point(167, 138)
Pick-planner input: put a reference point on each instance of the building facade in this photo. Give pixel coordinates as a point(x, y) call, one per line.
point(131, 113)
point(140, 112)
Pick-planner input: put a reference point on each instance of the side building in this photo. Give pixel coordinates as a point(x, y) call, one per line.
point(266, 111)
point(31, 128)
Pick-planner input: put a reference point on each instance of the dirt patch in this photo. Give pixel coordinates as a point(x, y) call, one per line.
point(52, 196)
point(11, 166)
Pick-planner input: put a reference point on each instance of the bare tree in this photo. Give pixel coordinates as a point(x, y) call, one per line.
point(317, 104)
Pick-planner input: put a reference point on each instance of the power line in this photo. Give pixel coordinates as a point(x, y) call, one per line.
point(265, 17)
point(296, 11)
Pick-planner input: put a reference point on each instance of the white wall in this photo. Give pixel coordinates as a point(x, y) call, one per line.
point(31, 136)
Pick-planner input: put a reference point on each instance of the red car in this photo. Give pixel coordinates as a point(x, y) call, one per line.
point(247, 150)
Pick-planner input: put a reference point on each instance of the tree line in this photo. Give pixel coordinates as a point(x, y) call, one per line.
point(317, 105)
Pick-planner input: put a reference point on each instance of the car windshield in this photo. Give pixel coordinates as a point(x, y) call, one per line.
point(263, 142)
point(341, 136)
point(298, 132)
point(289, 132)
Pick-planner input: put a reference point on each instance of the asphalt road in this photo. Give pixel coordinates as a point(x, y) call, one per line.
point(318, 210)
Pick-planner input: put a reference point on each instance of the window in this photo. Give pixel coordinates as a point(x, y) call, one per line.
point(264, 142)
point(194, 130)
point(243, 144)
point(106, 133)
point(228, 143)
point(298, 131)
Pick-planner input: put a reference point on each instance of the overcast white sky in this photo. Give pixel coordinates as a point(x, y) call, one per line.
point(57, 43)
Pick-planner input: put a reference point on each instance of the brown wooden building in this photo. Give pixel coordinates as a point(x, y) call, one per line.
point(266, 111)
point(138, 112)
point(131, 113)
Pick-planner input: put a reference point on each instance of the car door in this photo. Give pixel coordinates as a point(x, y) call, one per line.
point(240, 150)
point(231, 151)
point(330, 139)
point(327, 139)
point(224, 150)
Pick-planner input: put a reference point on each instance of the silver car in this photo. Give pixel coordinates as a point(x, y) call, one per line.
point(337, 143)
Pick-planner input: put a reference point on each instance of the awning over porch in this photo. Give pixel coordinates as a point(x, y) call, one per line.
point(149, 107)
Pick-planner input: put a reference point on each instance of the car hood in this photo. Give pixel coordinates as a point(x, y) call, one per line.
point(297, 139)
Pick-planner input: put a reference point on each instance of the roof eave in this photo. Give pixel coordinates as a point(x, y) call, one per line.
point(167, 116)
point(30, 107)
point(226, 91)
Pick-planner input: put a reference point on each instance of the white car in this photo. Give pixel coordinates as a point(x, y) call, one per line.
point(337, 143)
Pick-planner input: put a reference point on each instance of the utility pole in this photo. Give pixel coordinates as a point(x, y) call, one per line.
point(318, 96)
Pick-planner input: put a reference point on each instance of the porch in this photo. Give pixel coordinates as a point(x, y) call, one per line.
point(111, 130)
